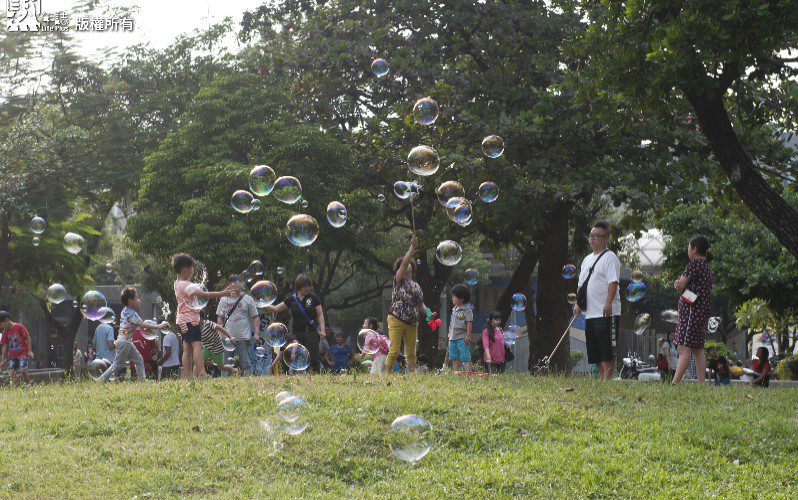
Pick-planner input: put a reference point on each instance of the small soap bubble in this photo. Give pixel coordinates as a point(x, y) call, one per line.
point(488, 192)
point(635, 291)
point(380, 67)
point(242, 201)
point(302, 230)
point(493, 146)
point(37, 225)
point(518, 302)
point(425, 111)
point(642, 322)
point(471, 277)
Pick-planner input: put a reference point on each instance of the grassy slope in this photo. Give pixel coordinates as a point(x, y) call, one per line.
point(511, 436)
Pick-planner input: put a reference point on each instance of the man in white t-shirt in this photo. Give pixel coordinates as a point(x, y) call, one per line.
point(242, 319)
point(170, 361)
point(603, 313)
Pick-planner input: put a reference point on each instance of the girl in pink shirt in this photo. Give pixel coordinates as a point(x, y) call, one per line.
point(493, 343)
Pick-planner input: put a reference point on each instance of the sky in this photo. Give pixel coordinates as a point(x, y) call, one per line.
point(157, 22)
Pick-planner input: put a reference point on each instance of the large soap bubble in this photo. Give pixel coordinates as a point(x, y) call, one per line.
point(197, 303)
point(635, 291)
point(669, 315)
point(108, 315)
point(410, 438)
point(336, 214)
point(642, 322)
point(488, 192)
point(56, 293)
point(92, 304)
point(449, 190)
point(287, 189)
point(471, 277)
point(302, 230)
point(264, 293)
point(369, 341)
point(425, 111)
point(276, 334)
point(402, 190)
point(37, 225)
point(293, 411)
point(74, 243)
point(423, 161)
point(256, 268)
point(493, 146)
point(518, 302)
point(280, 396)
point(463, 213)
point(380, 67)
point(242, 201)
point(261, 180)
point(448, 253)
point(296, 357)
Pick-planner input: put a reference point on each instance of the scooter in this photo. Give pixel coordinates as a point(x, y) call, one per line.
point(633, 367)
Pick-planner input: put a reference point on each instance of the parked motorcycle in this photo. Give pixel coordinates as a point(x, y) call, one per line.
point(632, 367)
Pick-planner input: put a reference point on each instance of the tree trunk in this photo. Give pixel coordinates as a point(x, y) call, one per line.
point(5, 238)
point(552, 312)
point(765, 203)
point(518, 282)
point(432, 285)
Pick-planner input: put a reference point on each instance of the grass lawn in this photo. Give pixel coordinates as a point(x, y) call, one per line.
point(511, 436)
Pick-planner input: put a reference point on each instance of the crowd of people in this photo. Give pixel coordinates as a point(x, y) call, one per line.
point(233, 344)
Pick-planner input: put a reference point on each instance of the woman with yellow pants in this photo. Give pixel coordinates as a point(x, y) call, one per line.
point(407, 302)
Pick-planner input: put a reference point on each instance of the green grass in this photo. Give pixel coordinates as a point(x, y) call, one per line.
point(511, 436)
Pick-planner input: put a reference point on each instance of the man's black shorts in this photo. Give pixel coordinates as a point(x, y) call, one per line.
point(599, 336)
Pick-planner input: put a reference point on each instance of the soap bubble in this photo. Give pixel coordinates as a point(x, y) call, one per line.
point(293, 411)
point(402, 190)
point(410, 438)
point(336, 214)
point(302, 230)
point(261, 180)
point(713, 324)
point(276, 334)
point(228, 344)
point(296, 356)
point(471, 277)
point(510, 337)
point(571, 297)
point(642, 322)
point(568, 271)
point(518, 302)
point(256, 268)
point(92, 303)
point(493, 146)
point(242, 201)
point(369, 341)
point(425, 111)
point(423, 160)
point(287, 189)
point(244, 277)
point(635, 291)
point(109, 268)
point(231, 361)
point(74, 304)
point(448, 253)
point(488, 192)
point(255, 205)
point(381, 198)
point(637, 276)
point(449, 190)
point(74, 243)
point(151, 334)
point(36, 241)
point(264, 293)
point(197, 303)
point(463, 213)
point(261, 352)
point(108, 315)
point(669, 315)
point(280, 270)
point(37, 225)
point(280, 396)
point(380, 67)
point(304, 204)
point(56, 293)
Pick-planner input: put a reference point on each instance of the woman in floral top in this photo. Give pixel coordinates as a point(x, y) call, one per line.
point(407, 301)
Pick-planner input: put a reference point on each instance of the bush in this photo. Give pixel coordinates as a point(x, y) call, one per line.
point(787, 368)
point(720, 346)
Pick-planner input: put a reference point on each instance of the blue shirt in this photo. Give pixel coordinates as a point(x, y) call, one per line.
point(102, 335)
point(340, 357)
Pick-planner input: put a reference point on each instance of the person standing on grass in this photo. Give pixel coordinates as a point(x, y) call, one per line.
point(306, 310)
point(460, 328)
point(407, 303)
point(16, 348)
point(240, 316)
point(78, 361)
point(695, 285)
point(602, 270)
point(170, 358)
point(493, 344)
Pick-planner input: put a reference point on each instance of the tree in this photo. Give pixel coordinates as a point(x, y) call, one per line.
point(730, 62)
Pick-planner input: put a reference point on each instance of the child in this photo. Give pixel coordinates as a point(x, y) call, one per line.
point(378, 362)
point(188, 318)
point(422, 367)
point(493, 343)
point(16, 348)
point(129, 320)
point(212, 349)
point(460, 328)
point(718, 367)
point(340, 354)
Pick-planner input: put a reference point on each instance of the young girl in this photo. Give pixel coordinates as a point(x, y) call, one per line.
point(493, 343)
point(378, 364)
point(762, 367)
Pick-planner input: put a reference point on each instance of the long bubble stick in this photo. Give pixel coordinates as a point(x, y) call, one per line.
point(413, 215)
point(567, 329)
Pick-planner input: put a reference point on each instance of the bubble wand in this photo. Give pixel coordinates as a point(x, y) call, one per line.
point(544, 363)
